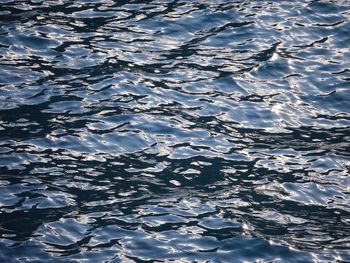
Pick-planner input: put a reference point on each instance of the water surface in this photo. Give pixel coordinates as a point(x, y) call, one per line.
point(201, 131)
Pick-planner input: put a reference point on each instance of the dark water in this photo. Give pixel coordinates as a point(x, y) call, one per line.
point(192, 131)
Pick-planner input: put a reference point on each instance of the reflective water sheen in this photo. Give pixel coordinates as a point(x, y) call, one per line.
point(192, 131)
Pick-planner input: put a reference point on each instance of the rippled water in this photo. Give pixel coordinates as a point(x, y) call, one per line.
point(206, 131)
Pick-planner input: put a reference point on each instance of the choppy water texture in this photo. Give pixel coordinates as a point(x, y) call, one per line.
point(193, 131)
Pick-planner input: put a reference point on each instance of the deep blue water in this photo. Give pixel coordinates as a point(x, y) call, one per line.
point(183, 131)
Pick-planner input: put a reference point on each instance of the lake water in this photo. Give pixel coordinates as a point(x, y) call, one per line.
point(183, 131)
